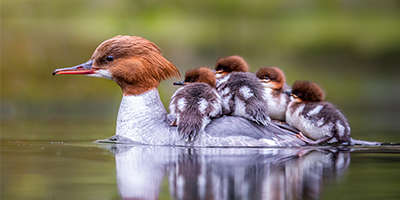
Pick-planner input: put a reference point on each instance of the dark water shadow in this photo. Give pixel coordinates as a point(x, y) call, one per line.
point(227, 173)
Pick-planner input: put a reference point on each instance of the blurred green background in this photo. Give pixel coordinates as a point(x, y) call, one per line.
point(351, 48)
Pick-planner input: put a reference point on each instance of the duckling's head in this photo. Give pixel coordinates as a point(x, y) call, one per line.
point(305, 91)
point(134, 63)
point(271, 77)
point(230, 64)
point(199, 75)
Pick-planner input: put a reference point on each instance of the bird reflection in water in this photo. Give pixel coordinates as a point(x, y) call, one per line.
point(227, 173)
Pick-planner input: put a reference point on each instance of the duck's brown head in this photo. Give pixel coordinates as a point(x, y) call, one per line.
point(305, 91)
point(199, 75)
point(230, 64)
point(271, 77)
point(134, 63)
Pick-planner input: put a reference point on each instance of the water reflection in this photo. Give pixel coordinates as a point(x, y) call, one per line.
point(227, 173)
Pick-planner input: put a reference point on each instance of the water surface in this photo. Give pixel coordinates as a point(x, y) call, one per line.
point(73, 167)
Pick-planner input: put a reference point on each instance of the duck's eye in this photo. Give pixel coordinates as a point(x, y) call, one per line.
point(109, 58)
point(266, 77)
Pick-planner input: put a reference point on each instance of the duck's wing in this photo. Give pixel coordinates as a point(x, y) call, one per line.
point(227, 126)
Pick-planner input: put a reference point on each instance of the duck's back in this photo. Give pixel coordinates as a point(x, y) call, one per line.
point(238, 127)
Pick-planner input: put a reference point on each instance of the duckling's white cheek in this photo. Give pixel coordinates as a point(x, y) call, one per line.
point(218, 75)
point(102, 73)
point(268, 84)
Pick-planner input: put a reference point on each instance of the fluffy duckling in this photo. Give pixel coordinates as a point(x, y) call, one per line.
point(273, 80)
point(318, 120)
point(229, 64)
point(196, 103)
point(241, 92)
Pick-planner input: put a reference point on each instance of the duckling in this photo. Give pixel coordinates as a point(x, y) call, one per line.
point(273, 80)
point(241, 92)
point(319, 121)
point(196, 103)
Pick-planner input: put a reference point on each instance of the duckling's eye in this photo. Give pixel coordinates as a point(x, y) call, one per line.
point(266, 77)
point(189, 80)
point(109, 58)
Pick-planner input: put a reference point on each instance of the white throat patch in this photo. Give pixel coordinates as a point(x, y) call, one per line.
point(102, 73)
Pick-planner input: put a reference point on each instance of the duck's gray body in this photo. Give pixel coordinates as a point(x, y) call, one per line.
point(143, 119)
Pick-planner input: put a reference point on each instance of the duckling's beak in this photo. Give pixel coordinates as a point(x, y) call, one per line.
point(84, 68)
point(181, 83)
point(288, 92)
point(218, 71)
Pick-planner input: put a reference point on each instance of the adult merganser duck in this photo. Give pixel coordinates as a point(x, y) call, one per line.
point(273, 80)
point(241, 92)
point(196, 103)
point(138, 67)
point(318, 120)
